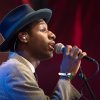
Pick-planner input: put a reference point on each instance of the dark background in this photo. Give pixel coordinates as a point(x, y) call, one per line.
point(75, 22)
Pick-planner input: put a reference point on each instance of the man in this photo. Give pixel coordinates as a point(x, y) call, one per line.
point(30, 41)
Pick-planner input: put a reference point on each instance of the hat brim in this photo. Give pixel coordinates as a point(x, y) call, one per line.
point(44, 14)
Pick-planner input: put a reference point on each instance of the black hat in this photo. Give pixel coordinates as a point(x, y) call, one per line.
point(17, 18)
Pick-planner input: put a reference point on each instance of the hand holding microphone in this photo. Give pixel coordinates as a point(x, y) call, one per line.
point(71, 58)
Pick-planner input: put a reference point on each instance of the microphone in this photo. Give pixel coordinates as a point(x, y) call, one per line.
point(60, 48)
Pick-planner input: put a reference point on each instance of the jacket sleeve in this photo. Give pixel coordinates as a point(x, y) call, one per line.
point(65, 91)
point(20, 84)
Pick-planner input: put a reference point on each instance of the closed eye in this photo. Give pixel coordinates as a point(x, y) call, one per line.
point(43, 30)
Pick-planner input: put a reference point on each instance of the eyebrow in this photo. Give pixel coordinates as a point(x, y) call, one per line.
point(42, 22)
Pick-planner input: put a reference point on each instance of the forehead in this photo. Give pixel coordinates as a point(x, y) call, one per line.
point(38, 22)
point(32, 25)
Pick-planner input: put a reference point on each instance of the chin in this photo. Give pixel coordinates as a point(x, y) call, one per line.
point(51, 56)
point(48, 56)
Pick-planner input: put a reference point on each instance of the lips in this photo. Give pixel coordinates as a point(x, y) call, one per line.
point(51, 46)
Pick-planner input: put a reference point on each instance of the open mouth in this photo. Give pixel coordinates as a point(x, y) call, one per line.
point(51, 46)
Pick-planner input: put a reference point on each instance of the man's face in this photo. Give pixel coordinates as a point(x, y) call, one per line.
point(41, 41)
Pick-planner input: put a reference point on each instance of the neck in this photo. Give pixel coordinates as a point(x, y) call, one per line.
point(28, 56)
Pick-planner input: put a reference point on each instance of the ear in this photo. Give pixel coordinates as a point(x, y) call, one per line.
point(23, 37)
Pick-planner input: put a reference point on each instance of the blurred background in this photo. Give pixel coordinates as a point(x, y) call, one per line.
point(75, 22)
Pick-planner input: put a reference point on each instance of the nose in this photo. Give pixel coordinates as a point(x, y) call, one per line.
point(52, 35)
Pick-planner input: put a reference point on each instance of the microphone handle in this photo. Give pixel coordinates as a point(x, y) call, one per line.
point(85, 57)
point(89, 58)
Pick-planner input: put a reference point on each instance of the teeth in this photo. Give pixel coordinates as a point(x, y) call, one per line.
point(51, 46)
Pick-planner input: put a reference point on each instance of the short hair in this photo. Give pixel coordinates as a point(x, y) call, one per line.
point(14, 41)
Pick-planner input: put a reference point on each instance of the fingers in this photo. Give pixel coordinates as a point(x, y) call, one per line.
point(68, 49)
point(75, 52)
point(72, 59)
point(81, 55)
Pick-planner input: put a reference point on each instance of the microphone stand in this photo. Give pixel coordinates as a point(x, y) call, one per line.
point(84, 78)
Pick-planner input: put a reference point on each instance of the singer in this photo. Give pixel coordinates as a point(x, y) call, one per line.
point(29, 41)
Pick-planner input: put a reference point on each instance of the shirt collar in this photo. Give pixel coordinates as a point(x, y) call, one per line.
point(23, 60)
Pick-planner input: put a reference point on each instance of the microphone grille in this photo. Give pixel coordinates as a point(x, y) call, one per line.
point(58, 48)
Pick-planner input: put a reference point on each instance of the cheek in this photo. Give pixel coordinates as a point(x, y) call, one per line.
point(39, 41)
point(39, 47)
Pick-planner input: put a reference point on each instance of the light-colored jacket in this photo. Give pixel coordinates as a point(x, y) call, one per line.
point(17, 82)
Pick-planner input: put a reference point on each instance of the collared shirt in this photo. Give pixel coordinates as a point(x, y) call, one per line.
point(15, 55)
